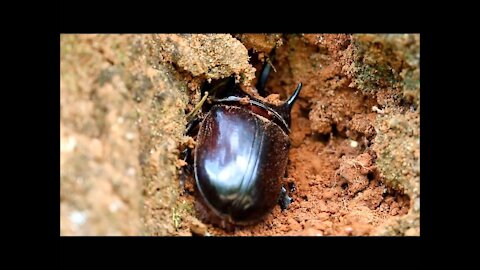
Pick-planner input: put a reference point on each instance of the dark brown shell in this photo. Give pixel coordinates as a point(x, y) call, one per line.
point(239, 161)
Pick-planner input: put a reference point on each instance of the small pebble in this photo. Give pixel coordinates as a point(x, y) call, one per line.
point(353, 143)
point(198, 228)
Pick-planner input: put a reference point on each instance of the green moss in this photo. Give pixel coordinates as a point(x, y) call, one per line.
point(180, 212)
point(376, 65)
point(397, 145)
point(176, 219)
point(187, 207)
point(387, 62)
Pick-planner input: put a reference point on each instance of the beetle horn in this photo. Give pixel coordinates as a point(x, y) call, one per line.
point(291, 100)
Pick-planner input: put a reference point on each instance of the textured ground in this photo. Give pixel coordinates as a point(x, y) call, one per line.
point(355, 136)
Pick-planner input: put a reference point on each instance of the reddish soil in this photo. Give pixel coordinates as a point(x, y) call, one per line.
point(353, 166)
point(332, 175)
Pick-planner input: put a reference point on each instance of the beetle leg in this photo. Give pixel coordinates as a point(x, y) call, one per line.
point(284, 200)
point(219, 88)
point(291, 100)
point(263, 79)
point(285, 109)
point(267, 67)
point(192, 125)
point(191, 115)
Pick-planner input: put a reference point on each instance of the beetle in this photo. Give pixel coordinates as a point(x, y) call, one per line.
point(241, 154)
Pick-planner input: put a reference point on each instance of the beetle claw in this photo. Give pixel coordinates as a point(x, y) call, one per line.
point(284, 200)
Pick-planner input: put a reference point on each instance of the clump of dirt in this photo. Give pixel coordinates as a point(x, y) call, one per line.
point(212, 56)
point(263, 44)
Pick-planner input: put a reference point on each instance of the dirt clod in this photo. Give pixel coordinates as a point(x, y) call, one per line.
point(198, 228)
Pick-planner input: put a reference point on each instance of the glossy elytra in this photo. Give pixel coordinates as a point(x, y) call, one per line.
point(241, 153)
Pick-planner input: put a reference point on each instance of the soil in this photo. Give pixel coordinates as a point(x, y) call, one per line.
point(354, 160)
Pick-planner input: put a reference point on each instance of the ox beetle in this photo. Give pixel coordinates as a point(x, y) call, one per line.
point(241, 153)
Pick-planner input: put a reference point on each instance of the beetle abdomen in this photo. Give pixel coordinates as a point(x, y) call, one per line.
point(240, 160)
